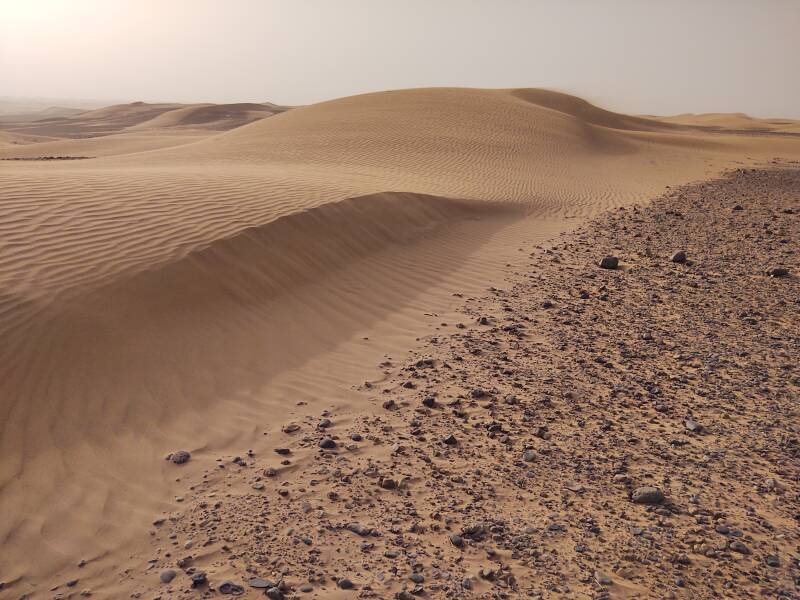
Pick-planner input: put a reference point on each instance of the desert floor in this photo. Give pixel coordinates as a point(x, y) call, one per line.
point(379, 328)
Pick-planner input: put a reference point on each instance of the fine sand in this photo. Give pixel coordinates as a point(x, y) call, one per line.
point(198, 283)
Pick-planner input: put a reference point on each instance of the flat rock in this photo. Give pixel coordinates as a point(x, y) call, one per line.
point(647, 495)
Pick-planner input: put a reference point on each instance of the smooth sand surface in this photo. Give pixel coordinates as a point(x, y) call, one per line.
point(187, 288)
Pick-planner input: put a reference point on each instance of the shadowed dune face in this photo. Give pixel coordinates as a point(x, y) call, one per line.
point(151, 298)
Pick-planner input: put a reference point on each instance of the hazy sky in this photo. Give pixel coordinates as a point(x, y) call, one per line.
point(642, 56)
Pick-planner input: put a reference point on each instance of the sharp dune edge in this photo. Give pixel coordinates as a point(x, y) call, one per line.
point(187, 287)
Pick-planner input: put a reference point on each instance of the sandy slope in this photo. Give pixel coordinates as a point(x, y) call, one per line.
point(190, 296)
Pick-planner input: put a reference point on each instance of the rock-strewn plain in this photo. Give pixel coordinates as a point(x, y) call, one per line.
point(581, 433)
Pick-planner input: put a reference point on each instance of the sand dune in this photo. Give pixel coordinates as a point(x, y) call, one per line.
point(189, 296)
point(734, 121)
point(211, 116)
point(138, 116)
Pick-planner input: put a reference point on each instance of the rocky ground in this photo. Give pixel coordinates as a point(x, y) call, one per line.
point(585, 433)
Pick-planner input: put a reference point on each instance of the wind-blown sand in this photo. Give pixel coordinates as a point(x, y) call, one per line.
point(202, 295)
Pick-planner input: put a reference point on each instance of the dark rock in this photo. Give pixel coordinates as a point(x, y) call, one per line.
point(345, 584)
point(168, 575)
point(609, 262)
point(327, 444)
point(274, 593)
point(772, 560)
point(180, 457)
point(199, 578)
point(228, 587)
point(693, 426)
point(737, 546)
point(387, 483)
point(456, 540)
point(359, 529)
point(778, 272)
point(647, 495)
point(260, 584)
point(679, 257)
point(450, 440)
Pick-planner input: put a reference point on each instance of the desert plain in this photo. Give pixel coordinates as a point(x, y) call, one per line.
point(366, 348)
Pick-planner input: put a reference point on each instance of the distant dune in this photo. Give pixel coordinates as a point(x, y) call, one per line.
point(73, 123)
point(733, 121)
point(217, 265)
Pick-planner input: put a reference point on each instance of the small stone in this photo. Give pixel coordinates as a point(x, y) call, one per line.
point(450, 440)
point(282, 451)
point(778, 272)
point(429, 401)
point(737, 546)
point(387, 483)
point(772, 560)
point(647, 495)
point(417, 578)
point(167, 575)
point(456, 540)
point(327, 444)
point(603, 579)
point(679, 257)
point(693, 426)
point(274, 593)
point(345, 584)
point(356, 437)
point(609, 262)
point(199, 578)
point(306, 589)
point(260, 584)
point(180, 457)
point(529, 456)
point(359, 529)
point(233, 589)
point(478, 393)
